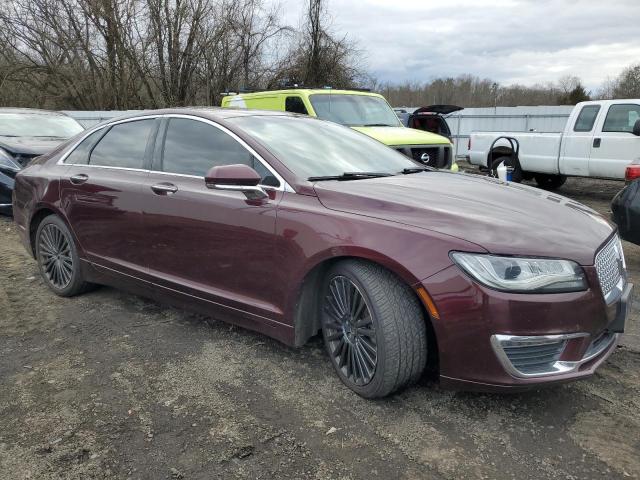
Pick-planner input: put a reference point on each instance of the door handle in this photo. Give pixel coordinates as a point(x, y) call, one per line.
point(596, 143)
point(79, 179)
point(164, 188)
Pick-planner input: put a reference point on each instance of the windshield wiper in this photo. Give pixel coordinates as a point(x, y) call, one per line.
point(407, 171)
point(351, 176)
point(378, 125)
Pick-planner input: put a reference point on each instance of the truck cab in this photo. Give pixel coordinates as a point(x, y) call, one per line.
point(364, 111)
point(601, 132)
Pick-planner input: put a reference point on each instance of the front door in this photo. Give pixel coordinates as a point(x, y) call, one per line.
point(212, 244)
point(101, 194)
point(614, 145)
point(576, 143)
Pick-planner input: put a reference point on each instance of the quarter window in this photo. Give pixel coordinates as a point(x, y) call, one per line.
point(80, 155)
point(295, 105)
point(192, 147)
point(586, 118)
point(621, 118)
point(124, 145)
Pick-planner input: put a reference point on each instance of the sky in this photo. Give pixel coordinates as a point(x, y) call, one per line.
point(510, 41)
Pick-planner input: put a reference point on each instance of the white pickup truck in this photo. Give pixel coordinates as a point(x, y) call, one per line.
point(599, 140)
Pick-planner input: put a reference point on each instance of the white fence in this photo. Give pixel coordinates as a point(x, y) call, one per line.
point(512, 119)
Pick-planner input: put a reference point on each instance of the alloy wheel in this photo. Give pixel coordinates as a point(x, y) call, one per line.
point(350, 331)
point(55, 256)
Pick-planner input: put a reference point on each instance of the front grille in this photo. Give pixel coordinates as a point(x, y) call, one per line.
point(609, 262)
point(432, 156)
point(427, 155)
point(531, 359)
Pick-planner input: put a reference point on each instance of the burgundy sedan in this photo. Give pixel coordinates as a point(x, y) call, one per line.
point(291, 225)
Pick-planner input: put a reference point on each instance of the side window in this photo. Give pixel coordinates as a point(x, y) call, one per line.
point(80, 155)
point(295, 105)
point(192, 148)
point(124, 145)
point(586, 118)
point(621, 118)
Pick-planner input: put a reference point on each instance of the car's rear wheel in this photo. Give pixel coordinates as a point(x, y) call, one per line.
point(58, 258)
point(373, 328)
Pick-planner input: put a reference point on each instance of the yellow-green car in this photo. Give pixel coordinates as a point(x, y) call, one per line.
point(364, 111)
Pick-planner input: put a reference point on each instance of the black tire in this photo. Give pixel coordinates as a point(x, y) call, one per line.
point(58, 259)
point(550, 182)
point(509, 162)
point(389, 317)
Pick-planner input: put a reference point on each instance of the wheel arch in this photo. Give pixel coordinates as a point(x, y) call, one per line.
point(497, 152)
point(40, 213)
point(306, 307)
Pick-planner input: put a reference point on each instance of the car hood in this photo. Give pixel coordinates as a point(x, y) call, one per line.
point(503, 218)
point(29, 145)
point(397, 136)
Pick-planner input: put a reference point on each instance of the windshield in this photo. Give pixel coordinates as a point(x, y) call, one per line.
point(313, 148)
point(354, 110)
point(38, 125)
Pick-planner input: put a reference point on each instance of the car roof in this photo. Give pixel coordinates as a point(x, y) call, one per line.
point(30, 111)
point(212, 113)
point(306, 91)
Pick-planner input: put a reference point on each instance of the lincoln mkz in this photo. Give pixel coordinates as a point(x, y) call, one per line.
point(292, 226)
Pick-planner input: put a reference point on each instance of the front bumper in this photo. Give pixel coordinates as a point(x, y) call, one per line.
point(496, 341)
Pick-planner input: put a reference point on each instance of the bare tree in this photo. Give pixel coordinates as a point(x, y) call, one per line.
point(628, 83)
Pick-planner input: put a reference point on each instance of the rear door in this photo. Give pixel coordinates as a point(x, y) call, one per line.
point(213, 244)
point(101, 193)
point(576, 142)
point(614, 145)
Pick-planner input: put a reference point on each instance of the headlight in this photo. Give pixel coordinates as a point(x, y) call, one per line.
point(7, 161)
point(525, 275)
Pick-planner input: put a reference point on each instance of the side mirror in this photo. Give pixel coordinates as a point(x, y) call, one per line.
point(636, 128)
point(237, 178)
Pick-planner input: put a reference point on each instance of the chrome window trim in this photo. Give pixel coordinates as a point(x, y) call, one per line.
point(559, 367)
point(91, 131)
point(284, 186)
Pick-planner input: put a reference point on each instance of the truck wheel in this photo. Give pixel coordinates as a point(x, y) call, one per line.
point(550, 182)
point(373, 328)
point(509, 162)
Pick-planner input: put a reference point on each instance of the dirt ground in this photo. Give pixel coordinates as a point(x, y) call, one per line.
point(109, 385)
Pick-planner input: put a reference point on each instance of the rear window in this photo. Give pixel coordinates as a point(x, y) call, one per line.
point(123, 146)
point(586, 118)
point(80, 155)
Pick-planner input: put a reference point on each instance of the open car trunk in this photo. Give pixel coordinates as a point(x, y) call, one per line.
point(430, 119)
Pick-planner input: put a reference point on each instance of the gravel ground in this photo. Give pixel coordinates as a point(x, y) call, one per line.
point(109, 385)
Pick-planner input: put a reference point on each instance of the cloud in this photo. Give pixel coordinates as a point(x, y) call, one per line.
point(511, 41)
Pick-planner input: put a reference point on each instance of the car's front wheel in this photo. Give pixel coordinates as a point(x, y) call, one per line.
point(58, 258)
point(373, 328)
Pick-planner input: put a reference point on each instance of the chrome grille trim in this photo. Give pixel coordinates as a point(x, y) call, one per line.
point(540, 354)
point(609, 263)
